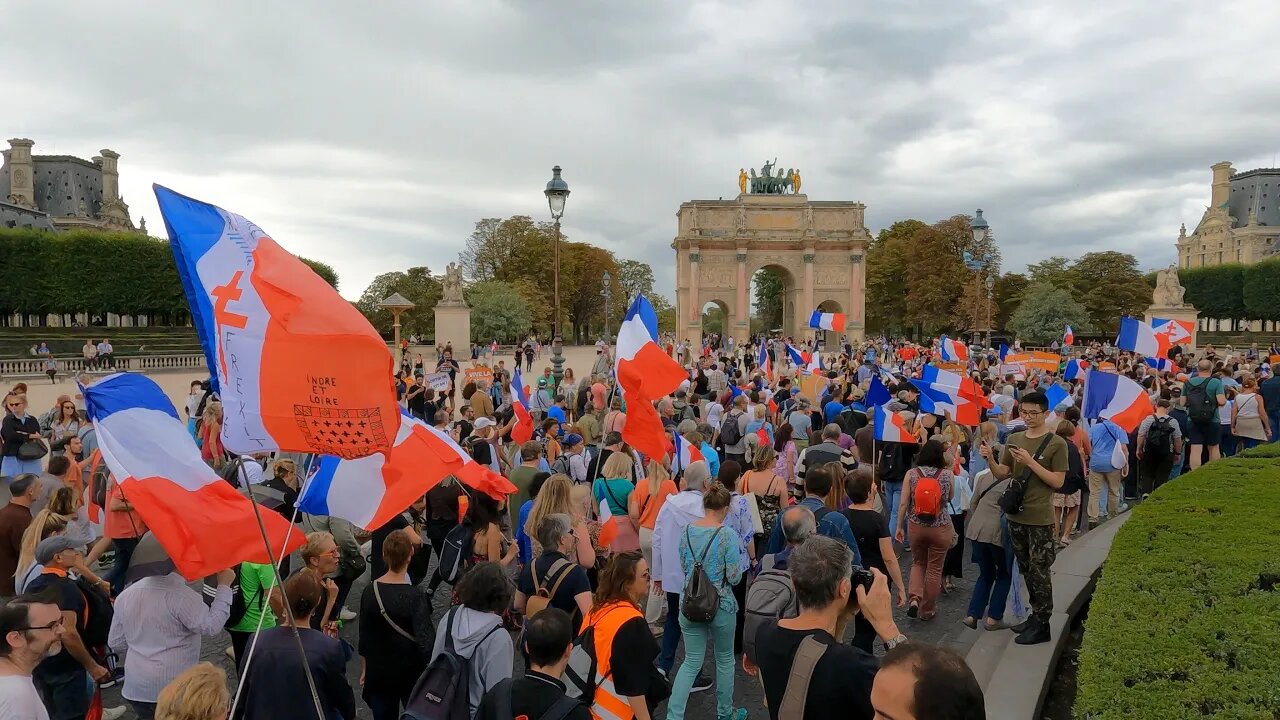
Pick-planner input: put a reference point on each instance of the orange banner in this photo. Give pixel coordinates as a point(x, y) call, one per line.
point(1035, 360)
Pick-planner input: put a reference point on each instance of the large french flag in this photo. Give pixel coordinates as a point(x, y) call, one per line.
point(296, 366)
point(645, 374)
point(1139, 337)
point(763, 360)
point(953, 350)
point(522, 432)
point(827, 321)
point(201, 521)
point(1075, 369)
point(369, 491)
point(890, 427)
point(1116, 398)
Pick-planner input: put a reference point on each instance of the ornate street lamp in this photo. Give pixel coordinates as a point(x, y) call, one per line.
point(397, 304)
point(557, 193)
point(979, 227)
point(981, 230)
point(608, 292)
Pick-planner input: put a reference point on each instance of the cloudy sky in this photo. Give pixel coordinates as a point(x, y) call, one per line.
point(373, 135)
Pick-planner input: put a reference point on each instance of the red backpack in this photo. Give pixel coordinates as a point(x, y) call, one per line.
point(926, 498)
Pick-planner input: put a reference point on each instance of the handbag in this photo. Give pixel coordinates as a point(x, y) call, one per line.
point(32, 450)
point(1011, 500)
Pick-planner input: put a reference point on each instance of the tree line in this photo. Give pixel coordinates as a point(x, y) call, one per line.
point(92, 272)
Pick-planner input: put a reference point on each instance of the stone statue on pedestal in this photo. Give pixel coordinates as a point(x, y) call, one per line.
point(451, 286)
point(1169, 291)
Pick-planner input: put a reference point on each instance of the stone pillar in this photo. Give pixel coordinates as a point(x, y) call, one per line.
point(742, 324)
point(453, 327)
point(855, 323)
point(21, 173)
point(1221, 184)
point(110, 176)
point(806, 305)
point(695, 309)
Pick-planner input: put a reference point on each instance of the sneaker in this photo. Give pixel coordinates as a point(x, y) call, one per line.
point(347, 615)
point(913, 609)
point(702, 682)
point(1022, 626)
point(113, 713)
point(1034, 635)
point(1123, 508)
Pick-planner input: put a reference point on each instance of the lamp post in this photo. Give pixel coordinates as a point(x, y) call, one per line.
point(557, 192)
point(608, 292)
point(397, 304)
point(980, 229)
point(991, 284)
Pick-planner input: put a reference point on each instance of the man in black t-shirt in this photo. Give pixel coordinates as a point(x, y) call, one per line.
point(555, 534)
point(415, 398)
point(548, 640)
point(840, 681)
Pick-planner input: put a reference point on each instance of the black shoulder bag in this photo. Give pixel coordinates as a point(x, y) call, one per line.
point(1011, 500)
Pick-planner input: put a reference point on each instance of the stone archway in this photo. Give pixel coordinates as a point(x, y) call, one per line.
point(788, 325)
point(725, 329)
point(720, 244)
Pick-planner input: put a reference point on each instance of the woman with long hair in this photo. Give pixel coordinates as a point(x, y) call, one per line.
point(211, 435)
point(1249, 423)
point(64, 425)
point(569, 388)
point(787, 452)
point(66, 504)
point(583, 509)
point(615, 488)
point(488, 544)
point(273, 684)
point(739, 520)
point(770, 488)
point(931, 528)
point(643, 507)
point(556, 497)
point(625, 648)
point(710, 544)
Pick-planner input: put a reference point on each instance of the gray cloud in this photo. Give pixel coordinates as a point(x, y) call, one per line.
point(374, 136)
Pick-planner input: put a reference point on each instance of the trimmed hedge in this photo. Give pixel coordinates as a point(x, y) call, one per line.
point(1180, 625)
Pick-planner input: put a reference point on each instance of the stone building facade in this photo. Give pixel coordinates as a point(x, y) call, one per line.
point(60, 191)
point(819, 246)
point(1242, 222)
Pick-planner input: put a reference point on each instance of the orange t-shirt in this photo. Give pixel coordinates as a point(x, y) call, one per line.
point(649, 507)
point(121, 523)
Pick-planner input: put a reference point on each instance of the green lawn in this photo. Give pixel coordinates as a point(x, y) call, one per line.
point(1184, 622)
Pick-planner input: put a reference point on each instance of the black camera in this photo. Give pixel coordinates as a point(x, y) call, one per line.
point(863, 577)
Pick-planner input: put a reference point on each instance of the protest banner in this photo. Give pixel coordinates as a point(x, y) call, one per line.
point(438, 381)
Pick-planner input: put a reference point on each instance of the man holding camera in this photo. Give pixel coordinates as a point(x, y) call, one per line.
point(1037, 460)
point(807, 672)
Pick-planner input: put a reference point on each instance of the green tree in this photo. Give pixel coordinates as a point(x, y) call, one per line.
point(770, 286)
point(713, 320)
point(1217, 291)
point(1110, 286)
point(887, 276)
point(324, 270)
point(418, 286)
point(497, 311)
point(933, 258)
point(1043, 313)
point(1261, 290)
point(1055, 270)
point(634, 278)
point(1008, 293)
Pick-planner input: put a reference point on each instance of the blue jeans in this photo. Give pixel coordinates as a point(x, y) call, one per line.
point(12, 467)
point(696, 635)
point(66, 695)
point(1228, 443)
point(124, 551)
point(892, 496)
point(1248, 443)
point(1273, 419)
point(991, 590)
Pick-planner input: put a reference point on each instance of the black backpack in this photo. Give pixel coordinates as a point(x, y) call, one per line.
point(497, 703)
point(893, 467)
point(455, 554)
point(97, 614)
point(701, 598)
point(730, 433)
point(1159, 443)
point(443, 691)
point(239, 606)
point(1201, 406)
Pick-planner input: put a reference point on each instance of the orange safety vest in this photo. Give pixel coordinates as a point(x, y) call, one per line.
point(609, 705)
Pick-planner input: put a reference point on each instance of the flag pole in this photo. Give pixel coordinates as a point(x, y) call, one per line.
point(275, 570)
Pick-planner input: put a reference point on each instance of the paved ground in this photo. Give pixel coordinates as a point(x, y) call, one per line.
point(943, 629)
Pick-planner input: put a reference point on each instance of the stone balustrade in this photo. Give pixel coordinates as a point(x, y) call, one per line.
point(34, 367)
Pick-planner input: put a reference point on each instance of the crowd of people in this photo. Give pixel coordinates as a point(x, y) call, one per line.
point(772, 536)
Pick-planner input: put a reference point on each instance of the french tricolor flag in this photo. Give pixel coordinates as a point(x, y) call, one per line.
point(202, 521)
point(645, 374)
point(815, 363)
point(890, 427)
point(953, 351)
point(827, 321)
point(1116, 398)
point(523, 430)
point(685, 454)
point(1068, 337)
point(1075, 369)
point(1160, 364)
point(1138, 337)
point(763, 362)
point(608, 524)
point(795, 356)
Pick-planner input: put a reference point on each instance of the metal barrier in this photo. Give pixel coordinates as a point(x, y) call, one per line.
point(34, 367)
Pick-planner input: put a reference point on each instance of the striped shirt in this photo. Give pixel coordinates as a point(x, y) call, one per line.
point(160, 620)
